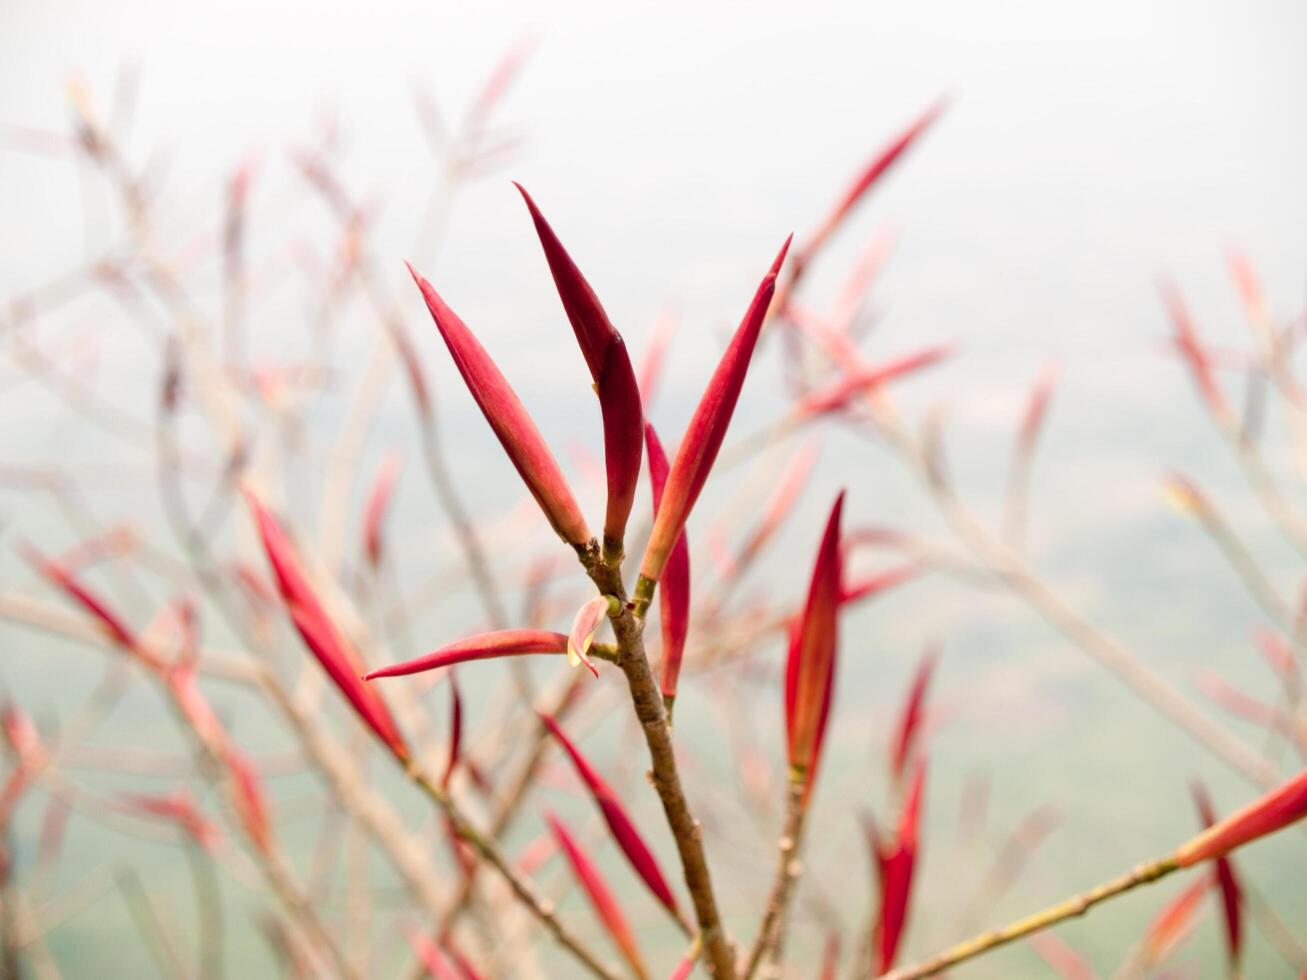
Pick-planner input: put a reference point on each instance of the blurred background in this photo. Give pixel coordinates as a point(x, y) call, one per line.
point(1086, 152)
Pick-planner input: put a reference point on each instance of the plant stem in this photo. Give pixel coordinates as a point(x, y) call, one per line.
point(647, 700)
point(521, 887)
point(788, 869)
point(1068, 909)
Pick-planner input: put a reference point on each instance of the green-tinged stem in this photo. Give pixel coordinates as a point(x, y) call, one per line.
point(647, 699)
point(644, 593)
point(522, 887)
point(1068, 909)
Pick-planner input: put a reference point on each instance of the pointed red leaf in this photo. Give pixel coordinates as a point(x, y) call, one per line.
point(610, 368)
point(623, 829)
point(455, 730)
point(703, 437)
point(601, 896)
point(383, 487)
point(180, 808)
point(1231, 892)
point(516, 432)
point(909, 726)
point(674, 596)
point(113, 625)
point(874, 169)
point(895, 863)
point(337, 657)
point(483, 646)
point(1173, 923)
point(858, 381)
point(1193, 351)
point(810, 669)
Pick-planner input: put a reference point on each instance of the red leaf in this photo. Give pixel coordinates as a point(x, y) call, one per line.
point(378, 502)
point(610, 369)
point(1174, 922)
point(863, 379)
point(1192, 350)
point(910, 717)
point(483, 646)
point(674, 596)
point(623, 829)
point(1231, 892)
point(895, 863)
point(707, 428)
point(337, 657)
point(600, 895)
point(455, 730)
point(874, 169)
point(113, 624)
point(516, 432)
point(810, 670)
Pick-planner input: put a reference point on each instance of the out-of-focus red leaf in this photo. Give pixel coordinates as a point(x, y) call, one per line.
point(337, 657)
point(1193, 351)
point(1231, 892)
point(114, 626)
point(601, 896)
point(383, 486)
point(895, 862)
point(1173, 923)
point(866, 178)
point(910, 716)
point(860, 380)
